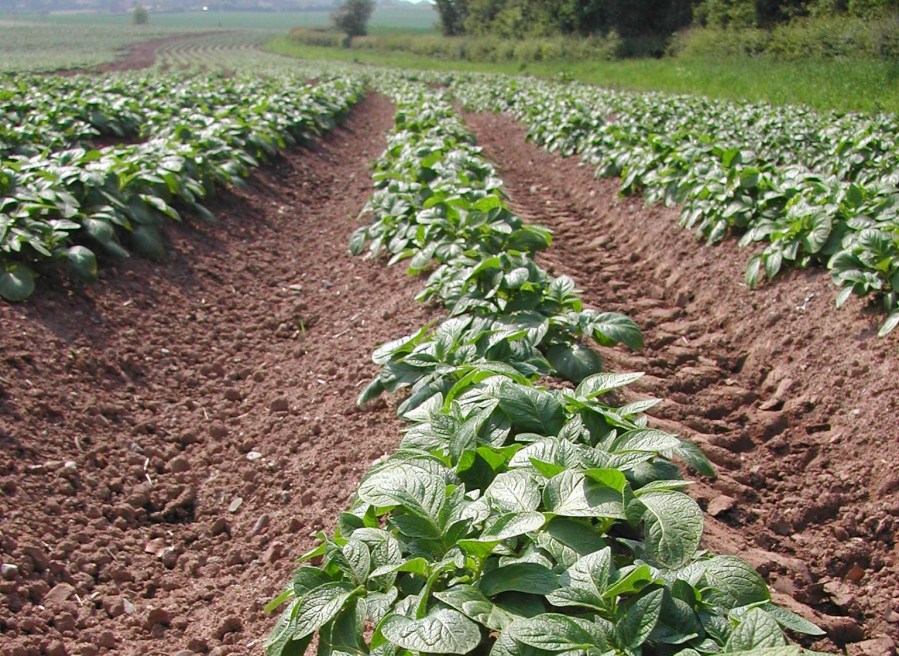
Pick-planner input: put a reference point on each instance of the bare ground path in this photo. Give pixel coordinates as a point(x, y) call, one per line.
point(794, 401)
point(173, 435)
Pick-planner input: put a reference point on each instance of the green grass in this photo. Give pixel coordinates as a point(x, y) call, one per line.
point(843, 85)
point(385, 20)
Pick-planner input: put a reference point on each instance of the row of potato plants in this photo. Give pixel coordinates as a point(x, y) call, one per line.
point(812, 188)
point(515, 519)
point(67, 206)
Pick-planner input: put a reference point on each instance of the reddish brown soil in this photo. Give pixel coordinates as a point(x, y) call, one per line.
point(140, 55)
point(173, 435)
point(797, 403)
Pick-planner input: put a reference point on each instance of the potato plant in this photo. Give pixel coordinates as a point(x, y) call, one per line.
point(74, 204)
point(514, 520)
point(806, 185)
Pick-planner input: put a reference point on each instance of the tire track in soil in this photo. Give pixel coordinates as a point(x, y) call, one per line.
point(777, 387)
point(173, 435)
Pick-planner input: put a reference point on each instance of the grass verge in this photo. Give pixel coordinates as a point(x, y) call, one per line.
point(842, 85)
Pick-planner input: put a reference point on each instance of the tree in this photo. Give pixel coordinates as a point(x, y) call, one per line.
point(140, 15)
point(452, 16)
point(351, 17)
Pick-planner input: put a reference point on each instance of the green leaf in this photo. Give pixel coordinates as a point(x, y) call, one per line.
point(640, 619)
point(514, 491)
point(732, 583)
point(358, 239)
point(470, 601)
point(441, 631)
point(533, 578)
point(888, 326)
point(646, 440)
point(574, 494)
point(280, 641)
point(600, 384)
point(320, 606)
point(574, 362)
point(558, 633)
point(585, 582)
point(16, 283)
point(790, 620)
point(531, 410)
point(514, 524)
point(756, 630)
point(82, 263)
point(610, 328)
point(672, 528)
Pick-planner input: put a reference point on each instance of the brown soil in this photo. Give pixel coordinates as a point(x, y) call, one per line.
point(797, 403)
point(174, 434)
point(141, 55)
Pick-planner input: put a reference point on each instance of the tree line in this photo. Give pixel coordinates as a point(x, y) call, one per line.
point(633, 18)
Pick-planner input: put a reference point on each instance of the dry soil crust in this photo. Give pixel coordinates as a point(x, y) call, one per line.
point(794, 401)
point(172, 435)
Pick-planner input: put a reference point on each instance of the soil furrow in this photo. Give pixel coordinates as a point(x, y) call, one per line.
point(175, 434)
point(794, 401)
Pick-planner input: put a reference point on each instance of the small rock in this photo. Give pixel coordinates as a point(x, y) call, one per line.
point(254, 455)
point(280, 405)
point(87, 649)
point(232, 394)
point(198, 645)
point(64, 622)
point(179, 464)
point(157, 616)
point(218, 430)
point(881, 646)
point(230, 624)
point(260, 525)
point(9, 572)
point(59, 595)
point(128, 607)
point(38, 556)
point(840, 593)
point(107, 639)
point(219, 526)
point(56, 648)
point(235, 504)
point(274, 553)
point(721, 504)
point(185, 652)
point(855, 574)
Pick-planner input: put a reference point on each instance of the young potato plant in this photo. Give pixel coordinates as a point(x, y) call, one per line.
point(802, 183)
point(70, 205)
point(516, 520)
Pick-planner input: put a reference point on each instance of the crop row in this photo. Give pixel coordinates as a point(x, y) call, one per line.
point(44, 114)
point(813, 188)
point(68, 205)
point(514, 519)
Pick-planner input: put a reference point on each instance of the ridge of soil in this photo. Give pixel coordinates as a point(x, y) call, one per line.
point(140, 55)
point(175, 434)
point(794, 401)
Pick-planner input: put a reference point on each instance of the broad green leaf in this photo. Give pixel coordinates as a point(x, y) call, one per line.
point(280, 641)
point(559, 633)
point(530, 409)
point(520, 577)
point(470, 601)
point(610, 328)
point(441, 631)
point(16, 283)
point(514, 524)
point(888, 326)
point(790, 620)
point(514, 491)
point(644, 439)
point(319, 606)
point(672, 528)
point(82, 263)
point(599, 384)
point(640, 619)
point(756, 630)
point(573, 494)
point(574, 362)
point(585, 582)
point(732, 583)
